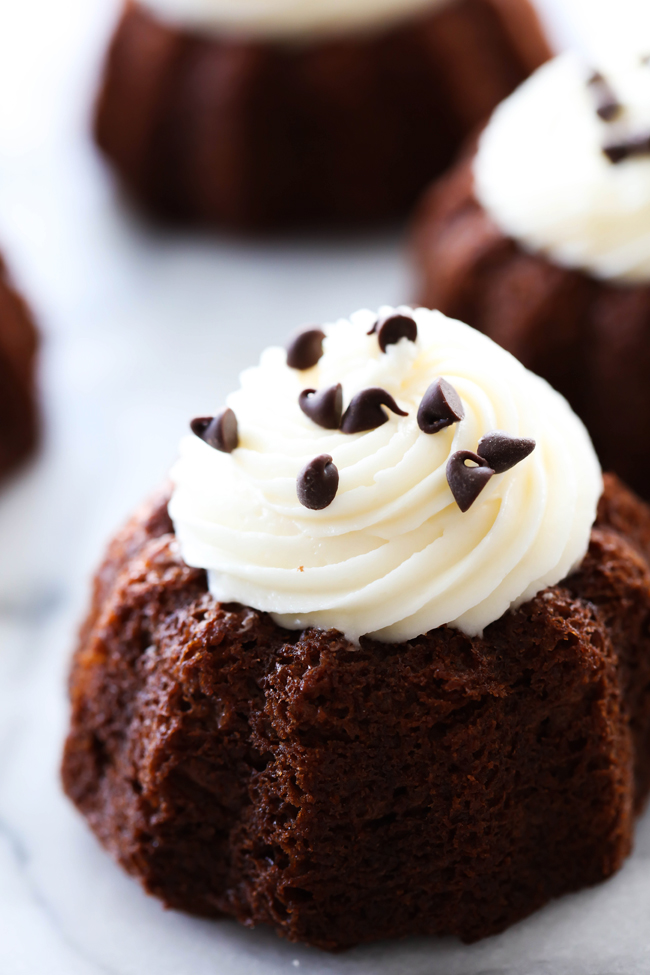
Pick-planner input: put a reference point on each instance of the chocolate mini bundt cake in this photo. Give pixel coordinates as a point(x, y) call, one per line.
point(540, 238)
point(446, 785)
point(342, 788)
point(18, 410)
point(321, 113)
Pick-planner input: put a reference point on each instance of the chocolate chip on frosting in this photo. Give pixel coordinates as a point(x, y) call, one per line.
point(608, 106)
point(365, 410)
point(440, 407)
point(200, 424)
point(502, 451)
point(219, 431)
point(305, 349)
point(638, 145)
point(318, 483)
point(324, 408)
point(466, 483)
point(391, 328)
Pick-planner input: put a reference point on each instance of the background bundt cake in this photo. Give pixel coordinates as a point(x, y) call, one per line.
point(327, 113)
point(411, 692)
point(540, 239)
point(18, 412)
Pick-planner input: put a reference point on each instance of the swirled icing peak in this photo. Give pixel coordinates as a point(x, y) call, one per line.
point(553, 170)
point(287, 19)
point(392, 555)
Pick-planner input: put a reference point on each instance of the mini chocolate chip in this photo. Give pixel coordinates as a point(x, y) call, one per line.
point(305, 349)
point(324, 408)
point(440, 407)
point(608, 106)
point(318, 483)
point(502, 451)
point(200, 424)
point(391, 328)
point(365, 410)
point(609, 109)
point(617, 152)
point(466, 483)
point(219, 432)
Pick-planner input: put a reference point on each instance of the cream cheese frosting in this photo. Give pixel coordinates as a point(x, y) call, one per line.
point(393, 555)
point(542, 176)
point(287, 19)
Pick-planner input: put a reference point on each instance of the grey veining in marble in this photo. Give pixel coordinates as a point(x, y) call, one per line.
point(141, 331)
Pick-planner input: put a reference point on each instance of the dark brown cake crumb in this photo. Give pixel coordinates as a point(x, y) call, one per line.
point(18, 411)
point(446, 785)
point(340, 131)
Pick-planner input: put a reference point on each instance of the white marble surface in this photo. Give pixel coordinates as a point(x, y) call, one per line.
point(142, 331)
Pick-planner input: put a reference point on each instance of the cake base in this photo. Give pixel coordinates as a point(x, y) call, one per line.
point(18, 410)
point(446, 785)
point(344, 131)
point(589, 339)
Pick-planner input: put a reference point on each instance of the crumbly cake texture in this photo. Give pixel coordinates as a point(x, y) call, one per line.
point(18, 411)
point(259, 134)
point(588, 338)
point(448, 785)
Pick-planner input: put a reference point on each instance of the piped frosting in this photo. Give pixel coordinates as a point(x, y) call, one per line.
point(392, 554)
point(563, 166)
point(287, 19)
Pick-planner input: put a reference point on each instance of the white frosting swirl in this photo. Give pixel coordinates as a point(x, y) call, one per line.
point(287, 19)
point(542, 176)
point(392, 555)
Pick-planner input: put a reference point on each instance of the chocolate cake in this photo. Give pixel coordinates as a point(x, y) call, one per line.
point(446, 785)
point(18, 411)
point(379, 666)
point(257, 132)
point(569, 313)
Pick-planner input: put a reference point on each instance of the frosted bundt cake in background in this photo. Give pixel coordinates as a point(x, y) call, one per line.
point(540, 237)
point(18, 411)
point(382, 668)
point(259, 113)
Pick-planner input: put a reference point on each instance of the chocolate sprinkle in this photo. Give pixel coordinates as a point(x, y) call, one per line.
point(365, 410)
point(502, 451)
point(608, 106)
point(440, 407)
point(392, 328)
point(466, 483)
point(305, 349)
point(219, 432)
point(638, 145)
point(318, 483)
point(324, 408)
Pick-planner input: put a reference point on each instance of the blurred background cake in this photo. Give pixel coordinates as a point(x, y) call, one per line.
point(261, 113)
point(379, 673)
point(18, 411)
point(540, 237)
